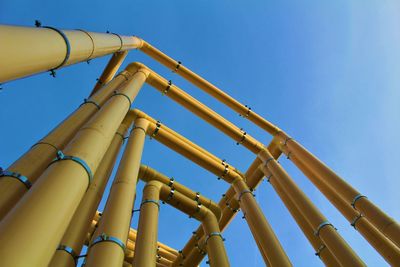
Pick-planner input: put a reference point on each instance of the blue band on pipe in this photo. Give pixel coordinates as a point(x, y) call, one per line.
point(105, 238)
point(69, 250)
point(66, 43)
point(19, 177)
point(61, 156)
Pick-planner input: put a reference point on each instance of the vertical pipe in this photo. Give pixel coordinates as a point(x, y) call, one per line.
point(74, 237)
point(321, 227)
point(266, 240)
point(109, 71)
point(146, 241)
point(49, 206)
point(33, 163)
point(117, 214)
point(321, 251)
point(214, 242)
point(387, 225)
point(389, 251)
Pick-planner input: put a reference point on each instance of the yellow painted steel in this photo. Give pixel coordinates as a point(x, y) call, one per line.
point(62, 186)
point(58, 211)
point(259, 227)
point(118, 211)
point(110, 70)
point(376, 216)
point(145, 252)
point(33, 163)
point(322, 228)
point(29, 50)
point(74, 237)
point(199, 109)
point(207, 87)
point(230, 207)
point(389, 251)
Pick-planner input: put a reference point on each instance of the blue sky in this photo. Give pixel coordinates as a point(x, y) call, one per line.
point(324, 71)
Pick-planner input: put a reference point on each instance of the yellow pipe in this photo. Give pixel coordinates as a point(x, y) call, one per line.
point(28, 50)
point(146, 240)
point(258, 224)
point(321, 250)
point(389, 251)
point(33, 163)
point(74, 236)
point(135, 113)
point(387, 225)
point(321, 227)
point(147, 174)
point(207, 87)
point(130, 248)
point(153, 191)
point(199, 109)
point(110, 70)
point(118, 211)
point(229, 206)
point(49, 206)
point(382, 221)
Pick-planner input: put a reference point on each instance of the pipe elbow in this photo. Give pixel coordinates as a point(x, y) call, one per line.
point(135, 67)
point(143, 172)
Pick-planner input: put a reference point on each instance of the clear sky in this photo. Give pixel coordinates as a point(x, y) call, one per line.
point(327, 72)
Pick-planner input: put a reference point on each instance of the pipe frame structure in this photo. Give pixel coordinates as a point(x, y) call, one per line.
point(74, 237)
point(35, 161)
point(89, 146)
point(118, 210)
point(384, 223)
point(145, 251)
point(360, 203)
point(259, 226)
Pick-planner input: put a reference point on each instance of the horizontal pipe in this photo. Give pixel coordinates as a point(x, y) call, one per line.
point(147, 174)
point(207, 87)
point(199, 109)
point(29, 50)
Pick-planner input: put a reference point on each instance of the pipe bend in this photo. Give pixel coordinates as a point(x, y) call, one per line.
point(135, 67)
